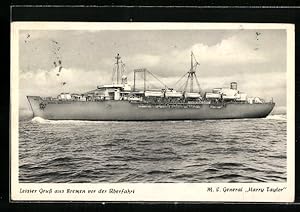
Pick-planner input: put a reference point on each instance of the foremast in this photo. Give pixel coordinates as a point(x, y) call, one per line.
point(119, 71)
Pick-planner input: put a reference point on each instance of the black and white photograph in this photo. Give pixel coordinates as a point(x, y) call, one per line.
point(152, 111)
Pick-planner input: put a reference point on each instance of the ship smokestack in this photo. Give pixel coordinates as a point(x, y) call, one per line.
point(233, 85)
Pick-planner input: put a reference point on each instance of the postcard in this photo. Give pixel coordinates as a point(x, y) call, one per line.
point(139, 112)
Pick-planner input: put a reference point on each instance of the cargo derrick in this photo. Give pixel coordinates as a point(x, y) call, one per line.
point(169, 95)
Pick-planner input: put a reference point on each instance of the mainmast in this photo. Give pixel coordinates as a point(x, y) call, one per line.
point(191, 75)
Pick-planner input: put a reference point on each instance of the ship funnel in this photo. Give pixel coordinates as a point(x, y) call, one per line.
point(233, 85)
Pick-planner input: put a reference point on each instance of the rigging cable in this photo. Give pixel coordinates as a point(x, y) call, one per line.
point(157, 79)
point(181, 79)
point(198, 83)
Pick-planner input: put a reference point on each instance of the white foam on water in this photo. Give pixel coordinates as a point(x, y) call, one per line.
point(277, 117)
point(47, 121)
point(39, 120)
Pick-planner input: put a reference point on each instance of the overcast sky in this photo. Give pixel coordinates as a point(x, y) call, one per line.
point(256, 59)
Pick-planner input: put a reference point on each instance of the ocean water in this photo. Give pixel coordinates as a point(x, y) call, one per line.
point(215, 151)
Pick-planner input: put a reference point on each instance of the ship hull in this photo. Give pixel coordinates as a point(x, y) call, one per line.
point(126, 111)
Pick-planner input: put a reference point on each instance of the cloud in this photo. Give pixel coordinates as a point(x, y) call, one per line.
point(228, 51)
point(144, 60)
point(226, 57)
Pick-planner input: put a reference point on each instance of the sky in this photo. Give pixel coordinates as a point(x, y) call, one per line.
point(255, 59)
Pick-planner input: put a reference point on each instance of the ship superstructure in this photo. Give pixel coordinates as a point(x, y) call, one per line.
point(121, 101)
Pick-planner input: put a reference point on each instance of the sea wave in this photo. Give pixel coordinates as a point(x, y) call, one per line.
point(222, 151)
point(277, 117)
point(47, 121)
point(39, 120)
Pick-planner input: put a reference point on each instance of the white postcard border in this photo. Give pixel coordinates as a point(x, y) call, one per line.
point(224, 192)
